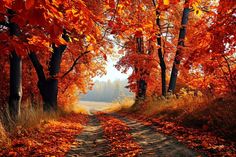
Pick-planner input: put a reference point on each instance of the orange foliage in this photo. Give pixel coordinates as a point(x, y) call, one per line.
point(200, 139)
point(52, 137)
point(117, 134)
point(208, 57)
point(41, 23)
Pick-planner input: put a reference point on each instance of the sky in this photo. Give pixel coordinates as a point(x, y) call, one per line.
point(112, 73)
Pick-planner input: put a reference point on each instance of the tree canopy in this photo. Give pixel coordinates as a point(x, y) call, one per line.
point(68, 42)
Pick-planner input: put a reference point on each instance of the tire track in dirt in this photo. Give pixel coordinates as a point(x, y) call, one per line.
point(90, 143)
point(118, 134)
point(155, 144)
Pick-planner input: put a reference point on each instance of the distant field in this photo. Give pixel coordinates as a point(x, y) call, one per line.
point(94, 106)
point(96, 103)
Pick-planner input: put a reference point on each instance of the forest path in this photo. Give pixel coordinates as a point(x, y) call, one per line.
point(92, 142)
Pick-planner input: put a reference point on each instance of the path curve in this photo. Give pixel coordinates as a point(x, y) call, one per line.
point(155, 143)
point(92, 142)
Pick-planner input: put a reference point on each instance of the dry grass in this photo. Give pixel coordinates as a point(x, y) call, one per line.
point(121, 104)
point(213, 114)
point(161, 105)
point(126, 102)
point(30, 117)
point(3, 135)
point(5, 126)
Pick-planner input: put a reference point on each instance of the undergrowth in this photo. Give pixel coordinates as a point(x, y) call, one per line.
point(195, 111)
point(30, 117)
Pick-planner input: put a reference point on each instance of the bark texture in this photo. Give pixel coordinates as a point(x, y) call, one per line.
point(15, 85)
point(141, 83)
point(161, 54)
point(48, 87)
point(15, 73)
point(182, 34)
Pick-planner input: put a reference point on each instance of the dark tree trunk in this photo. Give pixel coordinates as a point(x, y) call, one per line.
point(182, 33)
point(141, 83)
point(142, 88)
point(160, 55)
point(42, 82)
point(15, 85)
point(55, 61)
point(48, 90)
point(49, 87)
point(15, 72)
point(50, 95)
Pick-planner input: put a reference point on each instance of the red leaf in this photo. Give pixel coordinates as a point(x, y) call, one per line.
point(18, 5)
point(29, 4)
point(105, 56)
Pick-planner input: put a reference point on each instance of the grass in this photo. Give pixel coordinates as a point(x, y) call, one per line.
point(30, 117)
point(212, 114)
point(49, 138)
point(90, 107)
point(3, 135)
point(121, 104)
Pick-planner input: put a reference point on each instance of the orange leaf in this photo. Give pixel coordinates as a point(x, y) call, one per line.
point(29, 4)
point(11, 153)
point(166, 2)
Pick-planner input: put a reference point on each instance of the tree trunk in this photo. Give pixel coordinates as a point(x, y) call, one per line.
point(142, 88)
point(48, 90)
point(141, 83)
point(55, 60)
point(160, 55)
point(15, 73)
point(182, 33)
point(49, 87)
point(15, 85)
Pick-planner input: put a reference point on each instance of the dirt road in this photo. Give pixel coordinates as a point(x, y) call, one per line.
point(94, 140)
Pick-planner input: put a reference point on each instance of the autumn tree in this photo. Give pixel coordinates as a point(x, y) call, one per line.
point(15, 64)
point(210, 65)
point(62, 46)
point(15, 72)
point(49, 30)
point(177, 59)
point(170, 37)
point(138, 33)
point(162, 6)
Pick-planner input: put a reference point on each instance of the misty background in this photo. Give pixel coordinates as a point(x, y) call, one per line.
point(107, 91)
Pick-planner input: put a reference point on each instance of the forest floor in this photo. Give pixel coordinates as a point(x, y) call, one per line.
point(115, 134)
point(52, 137)
point(203, 124)
point(103, 135)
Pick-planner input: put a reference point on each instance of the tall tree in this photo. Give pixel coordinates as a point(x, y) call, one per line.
point(41, 24)
point(160, 48)
point(141, 82)
point(180, 46)
point(15, 72)
point(49, 87)
point(210, 65)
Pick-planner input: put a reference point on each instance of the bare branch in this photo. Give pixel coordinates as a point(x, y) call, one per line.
point(75, 63)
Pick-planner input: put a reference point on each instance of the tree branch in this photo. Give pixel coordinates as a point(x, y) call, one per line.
point(37, 65)
point(75, 63)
